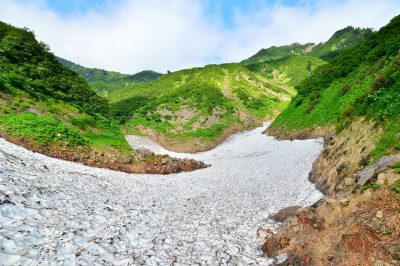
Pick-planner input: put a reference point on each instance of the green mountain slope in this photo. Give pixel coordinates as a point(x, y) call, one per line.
point(288, 70)
point(103, 81)
point(50, 109)
point(277, 52)
point(364, 81)
point(46, 104)
point(290, 64)
point(193, 109)
point(340, 40)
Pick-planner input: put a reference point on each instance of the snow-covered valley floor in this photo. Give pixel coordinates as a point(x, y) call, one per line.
point(54, 212)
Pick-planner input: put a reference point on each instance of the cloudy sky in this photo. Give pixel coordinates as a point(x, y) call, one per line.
point(132, 35)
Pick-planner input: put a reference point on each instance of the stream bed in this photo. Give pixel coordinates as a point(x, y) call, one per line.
point(56, 212)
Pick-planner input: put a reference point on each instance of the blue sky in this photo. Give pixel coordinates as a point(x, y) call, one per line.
point(133, 35)
point(223, 9)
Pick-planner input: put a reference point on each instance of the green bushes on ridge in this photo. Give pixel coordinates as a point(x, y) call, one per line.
point(363, 81)
point(28, 65)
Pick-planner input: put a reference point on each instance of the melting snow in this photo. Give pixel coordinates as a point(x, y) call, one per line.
point(54, 211)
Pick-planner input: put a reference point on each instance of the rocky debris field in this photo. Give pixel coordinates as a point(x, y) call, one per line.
point(56, 212)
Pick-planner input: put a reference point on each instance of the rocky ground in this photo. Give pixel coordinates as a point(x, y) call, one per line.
point(361, 229)
point(59, 212)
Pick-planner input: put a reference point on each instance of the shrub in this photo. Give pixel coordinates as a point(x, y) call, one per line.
point(43, 130)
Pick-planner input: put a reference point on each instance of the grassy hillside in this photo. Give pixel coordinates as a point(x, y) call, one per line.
point(363, 81)
point(50, 109)
point(277, 52)
point(340, 40)
point(104, 82)
point(44, 103)
point(290, 64)
point(197, 106)
point(289, 70)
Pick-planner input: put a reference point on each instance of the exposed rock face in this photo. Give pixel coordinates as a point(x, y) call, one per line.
point(357, 230)
point(372, 171)
point(341, 157)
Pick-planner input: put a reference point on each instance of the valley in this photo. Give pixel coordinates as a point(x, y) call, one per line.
point(56, 210)
point(101, 167)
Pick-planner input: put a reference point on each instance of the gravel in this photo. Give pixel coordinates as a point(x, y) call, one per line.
point(57, 212)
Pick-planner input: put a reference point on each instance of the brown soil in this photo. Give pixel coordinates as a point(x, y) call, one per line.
point(345, 232)
point(111, 160)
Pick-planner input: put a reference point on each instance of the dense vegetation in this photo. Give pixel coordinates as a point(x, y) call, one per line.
point(198, 102)
point(277, 52)
point(290, 64)
point(363, 81)
point(289, 70)
point(104, 82)
point(340, 40)
point(46, 103)
point(54, 101)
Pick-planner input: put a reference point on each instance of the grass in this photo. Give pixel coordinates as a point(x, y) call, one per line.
point(396, 186)
point(291, 69)
point(195, 103)
point(43, 130)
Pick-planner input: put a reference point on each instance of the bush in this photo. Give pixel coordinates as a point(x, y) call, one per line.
point(43, 130)
point(345, 88)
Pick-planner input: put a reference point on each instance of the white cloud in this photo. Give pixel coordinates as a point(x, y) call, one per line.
point(133, 35)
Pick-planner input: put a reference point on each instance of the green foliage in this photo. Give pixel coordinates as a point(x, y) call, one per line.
point(182, 104)
point(363, 81)
point(107, 135)
point(396, 186)
point(82, 122)
point(340, 40)
point(327, 51)
point(104, 82)
point(372, 185)
point(277, 52)
point(28, 65)
point(31, 79)
point(295, 68)
point(43, 130)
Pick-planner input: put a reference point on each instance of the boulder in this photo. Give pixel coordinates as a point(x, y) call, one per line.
point(348, 181)
point(127, 160)
point(166, 160)
point(372, 171)
point(285, 213)
point(144, 153)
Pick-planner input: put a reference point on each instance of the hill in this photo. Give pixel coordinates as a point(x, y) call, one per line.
point(362, 81)
point(290, 64)
point(49, 108)
point(194, 109)
point(289, 70)
point(277, 52)
point(354, 103)
point(340, 40)
point(103, 81)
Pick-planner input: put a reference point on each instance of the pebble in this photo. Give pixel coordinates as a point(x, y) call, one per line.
point(379, 215)
point(72, 214)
